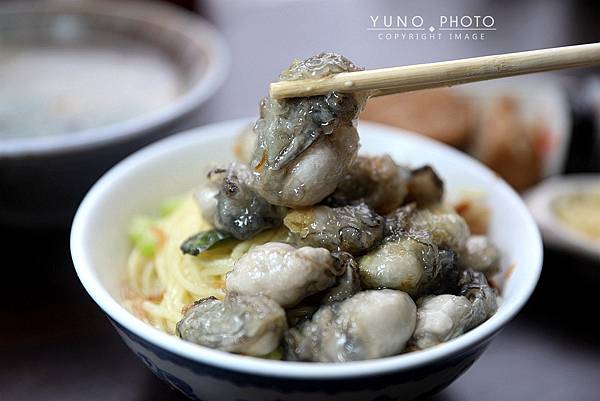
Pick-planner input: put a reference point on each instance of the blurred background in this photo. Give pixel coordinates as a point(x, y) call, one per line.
point(83, 83)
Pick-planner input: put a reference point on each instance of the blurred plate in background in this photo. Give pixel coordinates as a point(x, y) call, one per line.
point(520, 127)
point(567, 210)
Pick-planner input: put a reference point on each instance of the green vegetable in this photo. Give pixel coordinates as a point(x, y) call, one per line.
point(140, 233)
point(202, 241)
point(169, 205)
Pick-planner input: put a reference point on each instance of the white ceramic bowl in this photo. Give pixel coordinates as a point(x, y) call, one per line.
point(99, 248)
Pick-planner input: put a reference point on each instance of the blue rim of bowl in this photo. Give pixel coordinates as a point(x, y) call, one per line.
point(287, 369)
point(187, 24)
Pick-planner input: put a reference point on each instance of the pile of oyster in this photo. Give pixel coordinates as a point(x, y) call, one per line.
point(373, 264)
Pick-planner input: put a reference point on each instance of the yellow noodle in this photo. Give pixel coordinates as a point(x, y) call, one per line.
point(166, 282)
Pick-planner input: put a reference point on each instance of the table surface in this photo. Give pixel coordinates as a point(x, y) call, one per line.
point(55, 344)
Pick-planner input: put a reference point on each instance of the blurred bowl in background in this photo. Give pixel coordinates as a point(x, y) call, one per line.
point(86, 83)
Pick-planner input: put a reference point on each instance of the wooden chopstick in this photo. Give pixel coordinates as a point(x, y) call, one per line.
point(386, 81)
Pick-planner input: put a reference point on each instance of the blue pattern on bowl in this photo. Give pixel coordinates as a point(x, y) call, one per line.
point(194, 378)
